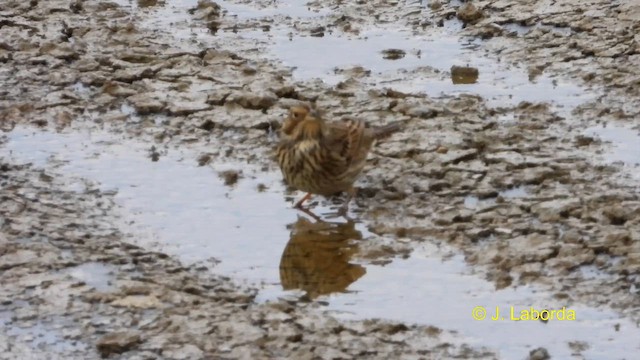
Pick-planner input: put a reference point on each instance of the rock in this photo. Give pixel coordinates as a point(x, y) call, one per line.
point(554, 210)
point(629, 11)
point(253, 100)
point(616, 214)
point(5, 56)
point(533, 248)
point(288, 92)
point(118, 89)
point(617, 238)
point(132, 74)
point(489, 31)
point(453, 216)
point(539, 354)
point(230, 177)
point(61, 51)
point(571, 236)
point(87, 64)
point(204, 159)
point(477, 234)
point(332, 353)
point(178, 70)
point(571, 256)
point(207, 125)
point(536, 175)
point(393, 54)
point(355, 72)
point(218, 97)
point(583, 140)
point(456, 156)
point(317, 32)
point(138, 302)
point(423, 112)
point(181, 108)
point(146, 104)
point(186, 352)
point(464, 74)
point(248, 70)
point(206, 10)
point(534, 72)
point(502, 280)
point(511, 158)
point(212, 56)
point(117, 342)
point(12, 259)
point(469, 13)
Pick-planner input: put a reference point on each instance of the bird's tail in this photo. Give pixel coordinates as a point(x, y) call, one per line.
point(384, 131)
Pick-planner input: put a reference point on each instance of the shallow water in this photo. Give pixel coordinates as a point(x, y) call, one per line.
point(425, 68)
point(188, 212)
point(429, 290)
point(624, 145)
point(191, 211)
point(96, 275)
point(473, 202)
point(516, 192)
point(45, 335)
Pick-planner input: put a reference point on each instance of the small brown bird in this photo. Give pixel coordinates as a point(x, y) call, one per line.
point(325, 158)
point(319, 257)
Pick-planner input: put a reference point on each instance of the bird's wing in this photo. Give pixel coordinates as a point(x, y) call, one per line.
point(348, 139)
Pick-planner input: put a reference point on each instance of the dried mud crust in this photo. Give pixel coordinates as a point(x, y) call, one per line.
point(82, 64)
point(574, 214)
point(150, 305)
point(596, 43)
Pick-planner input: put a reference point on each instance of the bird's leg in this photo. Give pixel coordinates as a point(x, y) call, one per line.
point(314, 216)
point(344, 209)
point(299, 203)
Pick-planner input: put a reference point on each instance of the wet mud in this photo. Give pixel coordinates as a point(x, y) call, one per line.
point(143, 214)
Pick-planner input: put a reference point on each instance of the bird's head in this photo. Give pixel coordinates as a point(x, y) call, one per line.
point(311, 128)
point(296, 116)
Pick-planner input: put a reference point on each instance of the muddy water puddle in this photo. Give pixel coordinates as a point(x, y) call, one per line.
point(253, 235)
point(424, 67)
point(473, 202)
point(427, 289)
point(191, 211)
point(624, 144)
point(46, 335)
point(292, 8)
point(248, 231)
point(96, 275)
point(423, 63)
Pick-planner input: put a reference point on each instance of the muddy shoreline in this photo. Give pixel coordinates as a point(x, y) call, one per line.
point(145, 304)
point(522, 189)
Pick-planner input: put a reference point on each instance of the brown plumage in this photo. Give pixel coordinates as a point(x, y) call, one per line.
point(324, 158)
point(318, 257)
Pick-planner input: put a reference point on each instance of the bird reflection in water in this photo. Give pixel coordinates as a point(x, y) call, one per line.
point(316, 258)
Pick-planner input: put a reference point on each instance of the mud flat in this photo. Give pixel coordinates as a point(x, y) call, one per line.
point(143, 215)
point(73, 289)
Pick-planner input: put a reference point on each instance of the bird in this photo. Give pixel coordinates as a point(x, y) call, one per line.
point(318, 258)
point(325, 158)
point(296, 115)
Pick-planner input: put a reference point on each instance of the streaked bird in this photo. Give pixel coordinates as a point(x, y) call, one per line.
point(325, 158)
point(318, 257)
